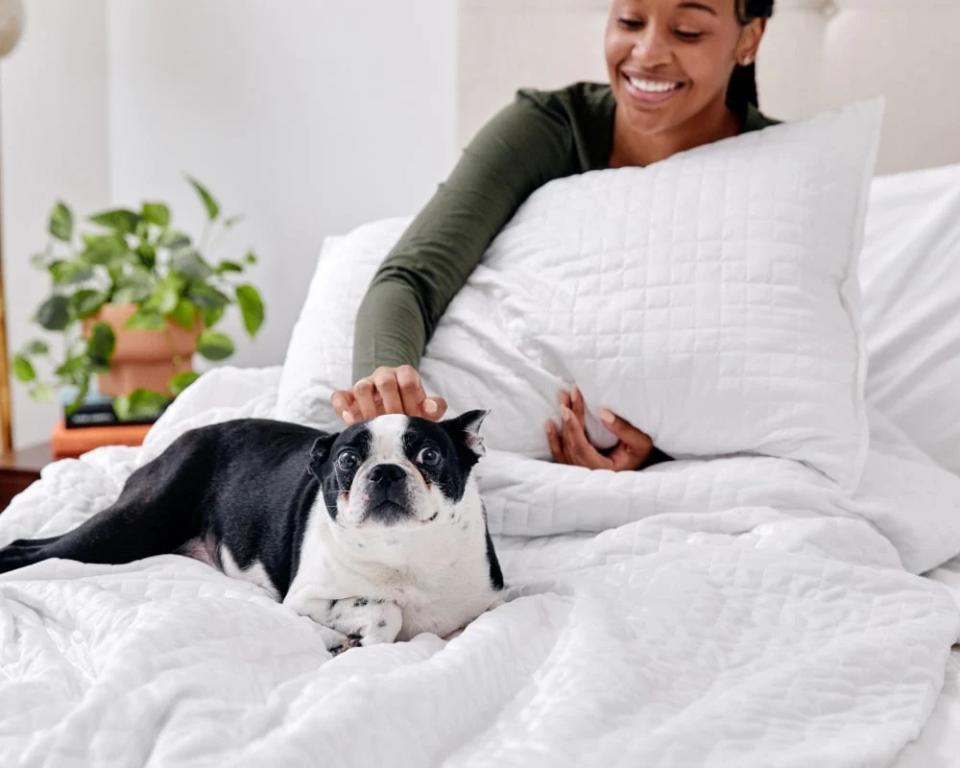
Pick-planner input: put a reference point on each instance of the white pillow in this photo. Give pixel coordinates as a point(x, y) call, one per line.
point(711, 299)
point(910, 274)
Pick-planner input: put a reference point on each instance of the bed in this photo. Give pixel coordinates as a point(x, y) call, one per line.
point(741, 611)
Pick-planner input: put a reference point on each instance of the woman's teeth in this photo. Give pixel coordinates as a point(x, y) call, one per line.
point(652, 86)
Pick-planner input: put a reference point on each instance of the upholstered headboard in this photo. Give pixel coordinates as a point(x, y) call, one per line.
point(817, 54)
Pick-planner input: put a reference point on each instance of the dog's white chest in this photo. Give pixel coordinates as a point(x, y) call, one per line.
point(444, 612)
point(438, 590)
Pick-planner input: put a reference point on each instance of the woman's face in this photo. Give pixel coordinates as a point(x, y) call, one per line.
point(669, 60)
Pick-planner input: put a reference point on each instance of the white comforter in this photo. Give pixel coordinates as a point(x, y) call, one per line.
point(732, 612)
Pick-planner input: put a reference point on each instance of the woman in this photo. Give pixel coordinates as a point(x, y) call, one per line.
point(681, 75)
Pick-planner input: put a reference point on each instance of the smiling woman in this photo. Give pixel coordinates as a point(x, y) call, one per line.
point(680, 76)
point(680, 73)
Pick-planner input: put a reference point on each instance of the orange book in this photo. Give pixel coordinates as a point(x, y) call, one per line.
point(70, 443)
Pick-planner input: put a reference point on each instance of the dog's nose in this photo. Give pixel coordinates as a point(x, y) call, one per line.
point(386, 474)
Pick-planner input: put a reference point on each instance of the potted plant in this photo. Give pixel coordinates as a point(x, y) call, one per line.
point(134, 298)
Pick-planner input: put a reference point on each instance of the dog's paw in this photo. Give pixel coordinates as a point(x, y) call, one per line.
point(372, 621)
point(354, 621)
point(344, 643)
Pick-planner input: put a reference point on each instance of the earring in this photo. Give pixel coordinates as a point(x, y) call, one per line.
point(746, 61)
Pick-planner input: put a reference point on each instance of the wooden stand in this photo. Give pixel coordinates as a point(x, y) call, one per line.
point(20, 468)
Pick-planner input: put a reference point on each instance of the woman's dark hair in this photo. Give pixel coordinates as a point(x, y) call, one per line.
point(742, 89)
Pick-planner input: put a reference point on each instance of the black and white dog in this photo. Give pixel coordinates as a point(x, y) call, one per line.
point(377, 532)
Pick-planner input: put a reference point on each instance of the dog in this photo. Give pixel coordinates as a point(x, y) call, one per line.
point(377, 532)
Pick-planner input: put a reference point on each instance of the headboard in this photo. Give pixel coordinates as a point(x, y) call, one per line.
point(816, 54)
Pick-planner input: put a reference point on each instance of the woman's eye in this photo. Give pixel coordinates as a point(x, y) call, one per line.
point(687, 35)
point(429, 457)
point(347, 461)
point(630, 23)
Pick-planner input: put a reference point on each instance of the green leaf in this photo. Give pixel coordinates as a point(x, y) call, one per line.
point(172, 239)
point(120, 220)
point(214, 346)
point(82, 388)
point(164, 297)
point(145, 320)
point(156, 213)
point(87, 302)
point(126, 295)
point(232, 221)
point(54, 313)
point(229, 266)
point(61, 222)
point(141, 404)
point(104, 249)
point(251, 307)
point(184, 314)
point(190, 264)
point(180, 381)
point(100, 345)
point(147, 255)
point(39, 260)
point(133, 287)
point(23, 369)
point(75, 369)
point(206, 296)
point(69, 272)
point(250, 258)
point(36, 347)
point(213, 209)
point(211, 316)
point(41, 391)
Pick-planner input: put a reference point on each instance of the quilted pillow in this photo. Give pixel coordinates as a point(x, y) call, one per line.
point(711, 299)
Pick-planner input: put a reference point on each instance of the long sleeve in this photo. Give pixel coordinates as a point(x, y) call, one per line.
point(524, 146)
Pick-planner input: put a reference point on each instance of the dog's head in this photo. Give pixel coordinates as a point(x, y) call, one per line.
point(399, 472)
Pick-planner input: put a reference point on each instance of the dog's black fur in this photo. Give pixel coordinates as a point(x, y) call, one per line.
point(172, 499)
point(248, 484)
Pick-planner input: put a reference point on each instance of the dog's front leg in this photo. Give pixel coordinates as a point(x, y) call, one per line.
point(360, 620)
point(366, 620)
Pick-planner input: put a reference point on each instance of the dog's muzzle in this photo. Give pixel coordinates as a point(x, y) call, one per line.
point(387, 493)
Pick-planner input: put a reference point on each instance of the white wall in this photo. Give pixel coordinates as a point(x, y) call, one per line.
point(309, 116)
point(53, 108)
point(570, 48)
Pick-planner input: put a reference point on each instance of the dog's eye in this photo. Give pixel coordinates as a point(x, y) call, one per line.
point(347, 460)
point(429, 457)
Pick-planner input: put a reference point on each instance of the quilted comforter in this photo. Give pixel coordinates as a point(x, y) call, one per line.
point(729, 612)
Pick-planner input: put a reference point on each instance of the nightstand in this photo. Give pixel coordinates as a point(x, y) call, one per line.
point(20, 468)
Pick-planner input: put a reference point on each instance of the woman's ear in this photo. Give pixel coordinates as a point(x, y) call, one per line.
point(749, 43)
point(320, 452)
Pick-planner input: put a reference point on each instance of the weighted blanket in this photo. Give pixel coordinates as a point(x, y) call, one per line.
point(738, 611)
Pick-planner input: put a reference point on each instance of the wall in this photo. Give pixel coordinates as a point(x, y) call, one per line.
point(308, 116)
point(53, 108)
point(569, 47)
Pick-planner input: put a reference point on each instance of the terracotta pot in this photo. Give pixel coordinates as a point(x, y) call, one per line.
point(144, 359)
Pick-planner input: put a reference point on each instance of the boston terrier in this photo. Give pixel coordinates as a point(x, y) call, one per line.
point(377, 532)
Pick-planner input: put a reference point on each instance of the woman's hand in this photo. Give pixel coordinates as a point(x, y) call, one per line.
point(388, 390)
point(569, 443)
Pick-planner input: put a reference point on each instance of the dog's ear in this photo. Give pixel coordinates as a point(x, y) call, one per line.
point(465, 430)
point(320, 451)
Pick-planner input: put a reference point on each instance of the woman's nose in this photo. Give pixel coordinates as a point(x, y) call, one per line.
point(652, 47)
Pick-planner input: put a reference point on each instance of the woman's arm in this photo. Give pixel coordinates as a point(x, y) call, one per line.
point(524, 146)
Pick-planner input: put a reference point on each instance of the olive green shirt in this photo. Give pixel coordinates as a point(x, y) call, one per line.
point(541, 136)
